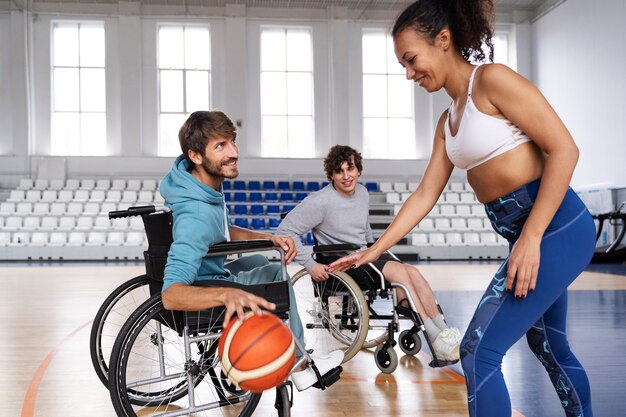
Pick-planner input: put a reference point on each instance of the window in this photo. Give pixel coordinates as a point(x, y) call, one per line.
point(388, 122)
point(184, 62)
point(78, 89)
point(287, 93)
point(501, 48)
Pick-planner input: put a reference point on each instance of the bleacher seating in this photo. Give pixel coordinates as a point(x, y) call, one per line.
point(68, 219)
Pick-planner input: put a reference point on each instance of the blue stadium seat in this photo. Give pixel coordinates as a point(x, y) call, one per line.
point(372, 187)
point(325, 183)
point(309, 239)
point(286, 197)
point(240, 209)
point(312, 185)
point(227, 196)
point(239, 185)
point(283, 186)
point(256, 209)
point(256, 197)
point(300, 196)
point(297, 186)
point(254, 185)
point(273, 223)
point(273, 209)
point(242, 222)
point(288, 207)
point(270, 197)
point(240, 197)
point(269, 185)
point(226, 185)
point(258, 224)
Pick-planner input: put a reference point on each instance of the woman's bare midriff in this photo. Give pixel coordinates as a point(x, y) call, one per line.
point(507, 172)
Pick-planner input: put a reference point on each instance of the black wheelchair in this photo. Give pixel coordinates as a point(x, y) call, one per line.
point(359, 309)
point(165, 363)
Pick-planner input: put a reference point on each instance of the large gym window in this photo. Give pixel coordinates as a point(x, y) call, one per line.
point(184, 65)
point(287, 123)
point(388, 121)
point(78, 89)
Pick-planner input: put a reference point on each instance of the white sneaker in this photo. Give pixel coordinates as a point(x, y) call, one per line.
point(304, 379)
point(446, 345)
point(455, 333)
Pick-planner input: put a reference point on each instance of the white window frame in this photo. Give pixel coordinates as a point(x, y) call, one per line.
point(79, 66)
point(388, 118)
point(321, 96)
point(150, 82)
point(184, 71)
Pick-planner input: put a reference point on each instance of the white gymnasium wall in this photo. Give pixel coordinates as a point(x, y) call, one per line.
point(6, 144)
point(579, 63)
point(132, 95)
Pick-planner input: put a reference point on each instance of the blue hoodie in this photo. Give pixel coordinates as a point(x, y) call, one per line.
point(198, 212)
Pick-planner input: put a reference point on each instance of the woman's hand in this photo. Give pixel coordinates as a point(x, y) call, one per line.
point(287, 244)
point(354, 260)
point(524, 265)
point(237, 301)
point(319, 272)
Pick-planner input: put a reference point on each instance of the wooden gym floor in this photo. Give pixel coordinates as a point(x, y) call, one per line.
point(46, 312)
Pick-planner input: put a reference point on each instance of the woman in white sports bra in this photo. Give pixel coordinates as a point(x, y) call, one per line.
point(519, 158)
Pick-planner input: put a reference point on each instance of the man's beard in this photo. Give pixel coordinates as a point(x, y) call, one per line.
point(214, 169)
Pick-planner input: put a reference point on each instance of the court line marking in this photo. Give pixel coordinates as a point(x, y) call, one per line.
point(30, 398)
point(28, 406)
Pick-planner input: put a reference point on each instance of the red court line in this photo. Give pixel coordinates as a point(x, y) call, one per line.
point(28, 406)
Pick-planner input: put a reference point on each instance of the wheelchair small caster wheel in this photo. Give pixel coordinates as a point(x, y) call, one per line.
point(386, 359)
point(410, 342)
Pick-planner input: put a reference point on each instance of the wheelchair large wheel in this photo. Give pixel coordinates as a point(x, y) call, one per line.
point(111, 316)
point(333, 312)
point(173, 369)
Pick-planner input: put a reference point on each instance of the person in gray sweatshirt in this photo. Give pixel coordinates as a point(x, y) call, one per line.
point(339, 213)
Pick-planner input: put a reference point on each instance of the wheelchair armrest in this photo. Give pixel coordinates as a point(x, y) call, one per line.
point(342, 247)
point(240, 246)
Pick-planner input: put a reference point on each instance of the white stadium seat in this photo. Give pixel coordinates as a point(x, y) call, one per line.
point(76, 239)
point(48, 223)
point(16, 196)
point(57, 239)
point(33, 195)
point(41, 184)
point(39, 239)
point(25, 184)
point(20, 239)
point(30, 223)
point(103, 184)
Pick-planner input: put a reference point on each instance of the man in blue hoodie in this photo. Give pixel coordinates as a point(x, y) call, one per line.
point(193, 191)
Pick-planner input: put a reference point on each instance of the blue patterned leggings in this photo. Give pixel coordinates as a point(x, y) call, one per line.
point(500, 319)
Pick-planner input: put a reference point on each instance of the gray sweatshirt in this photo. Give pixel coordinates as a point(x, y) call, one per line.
point(333, 217)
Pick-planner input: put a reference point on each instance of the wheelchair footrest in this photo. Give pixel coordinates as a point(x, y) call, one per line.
point(329, 378)
point(436, 363)
point(409, 313)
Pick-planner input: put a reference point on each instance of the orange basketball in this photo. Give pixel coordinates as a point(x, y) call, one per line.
point(258, 352)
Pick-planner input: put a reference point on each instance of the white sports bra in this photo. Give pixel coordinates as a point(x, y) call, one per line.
point(480, 137)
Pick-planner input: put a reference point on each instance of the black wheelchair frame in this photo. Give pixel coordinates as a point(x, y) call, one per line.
point(175, 381)
point(373, 285)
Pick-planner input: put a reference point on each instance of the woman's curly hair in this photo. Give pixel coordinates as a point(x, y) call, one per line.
point(469, 21)
point(339, 154)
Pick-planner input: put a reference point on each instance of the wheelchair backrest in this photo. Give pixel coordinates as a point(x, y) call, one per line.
point(159, 234)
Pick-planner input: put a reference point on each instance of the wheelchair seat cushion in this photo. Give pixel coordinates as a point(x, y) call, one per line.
point(366, 276)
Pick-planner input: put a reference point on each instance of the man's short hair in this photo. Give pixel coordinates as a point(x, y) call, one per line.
point(201, 126)
point(339, 154)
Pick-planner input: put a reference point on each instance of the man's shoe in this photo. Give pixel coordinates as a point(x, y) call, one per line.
point(304, 379)
point(446, 345)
